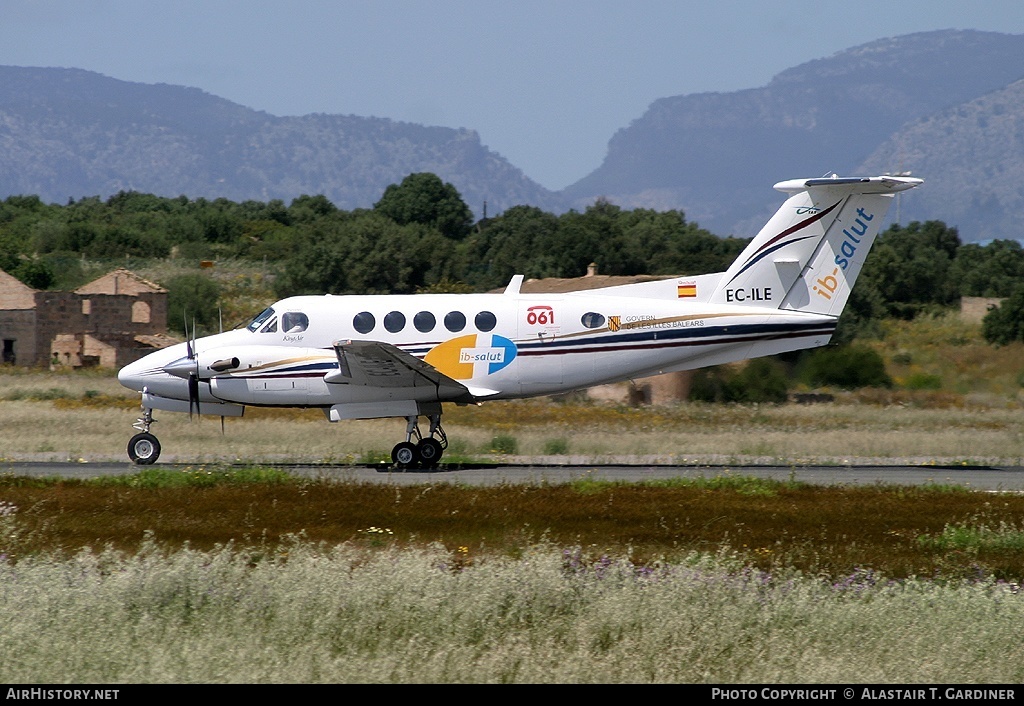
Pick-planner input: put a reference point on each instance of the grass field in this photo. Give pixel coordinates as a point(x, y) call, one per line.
point(252, 576)
point(208, 575)
point(342, 614)
point(88, 416)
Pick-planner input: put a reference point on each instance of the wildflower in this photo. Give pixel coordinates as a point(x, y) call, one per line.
point(377, 531)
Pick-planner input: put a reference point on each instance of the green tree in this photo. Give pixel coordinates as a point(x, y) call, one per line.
point(364, 253)
point(193, 298)
point(305, 209)
point(423, 198)
point(596, 235)
point(992, 270)
point(516, 242)
point(35, 273)
point(1005, 323)
point(910, 267)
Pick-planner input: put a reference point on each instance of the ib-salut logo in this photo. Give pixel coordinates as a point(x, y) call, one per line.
point(472, 356)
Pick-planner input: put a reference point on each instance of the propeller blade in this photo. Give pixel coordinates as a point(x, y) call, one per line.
point(188, 341)
point(193, 394)
point(193, 378)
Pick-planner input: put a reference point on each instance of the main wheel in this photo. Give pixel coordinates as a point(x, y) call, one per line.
point(143, 449)
point(405, 455)
point(430, 452)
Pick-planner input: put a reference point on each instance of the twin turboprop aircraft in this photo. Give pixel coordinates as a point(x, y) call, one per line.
point(369, 357)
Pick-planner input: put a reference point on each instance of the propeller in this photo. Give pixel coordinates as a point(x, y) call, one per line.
point(189, 369)
point(193, 375)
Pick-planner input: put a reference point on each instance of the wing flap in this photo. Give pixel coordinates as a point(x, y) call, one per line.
point(377, 364)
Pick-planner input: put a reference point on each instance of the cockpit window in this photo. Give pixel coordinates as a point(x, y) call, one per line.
point(261, 318)
point(294, 322)
point(270, 327)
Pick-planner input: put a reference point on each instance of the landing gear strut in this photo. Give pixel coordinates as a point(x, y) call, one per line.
point(143, 448)
point(426, 450)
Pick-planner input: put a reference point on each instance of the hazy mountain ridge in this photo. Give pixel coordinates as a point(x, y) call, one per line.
point(68, 133)
point(973, 157)
point(715, 154)
point(944, 105)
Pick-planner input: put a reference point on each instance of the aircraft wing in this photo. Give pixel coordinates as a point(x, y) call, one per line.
point(381, 365)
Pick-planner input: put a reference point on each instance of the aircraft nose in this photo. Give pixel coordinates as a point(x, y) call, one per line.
point(130, 377)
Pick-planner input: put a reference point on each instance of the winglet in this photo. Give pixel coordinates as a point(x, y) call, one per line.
point(514, 285)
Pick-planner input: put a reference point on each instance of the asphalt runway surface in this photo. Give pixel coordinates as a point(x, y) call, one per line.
point(987, 478)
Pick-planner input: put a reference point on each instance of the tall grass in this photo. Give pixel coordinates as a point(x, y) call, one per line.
point(823, 531)
point(308, 613)
point(206, 575)
point(93, 424)
point(88, 415)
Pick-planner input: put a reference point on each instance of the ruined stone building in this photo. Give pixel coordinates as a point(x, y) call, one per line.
point(108, 322)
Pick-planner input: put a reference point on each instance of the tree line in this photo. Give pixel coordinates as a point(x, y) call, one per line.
point(421, 236)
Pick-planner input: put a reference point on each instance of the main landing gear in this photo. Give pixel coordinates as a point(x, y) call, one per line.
point(426, 450)
point(143, 448)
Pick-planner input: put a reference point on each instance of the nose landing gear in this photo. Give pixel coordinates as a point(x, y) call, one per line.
point(144, 448)
point(426, 451)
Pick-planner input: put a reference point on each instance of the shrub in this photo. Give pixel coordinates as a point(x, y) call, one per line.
point(923, 381)
point(848, 367)
point(760, 380)
point(556, 447)
point(504, 444)
point(1005, 323)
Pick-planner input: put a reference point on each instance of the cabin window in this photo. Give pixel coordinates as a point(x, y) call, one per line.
point(294, 322)
point(485, 321)
point(455, 321)
point(394, 321)
point(260, 318)
point(364, 322)
point(592, 319)
point(424, 322)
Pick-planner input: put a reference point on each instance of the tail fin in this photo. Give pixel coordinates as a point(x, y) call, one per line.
point(808, 256)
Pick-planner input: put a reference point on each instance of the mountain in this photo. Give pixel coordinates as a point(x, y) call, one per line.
point(68, 133)
point(714, 154)
point(946, 105)
point(973, 157)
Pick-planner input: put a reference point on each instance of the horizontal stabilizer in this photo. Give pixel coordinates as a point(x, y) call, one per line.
point(822, 232)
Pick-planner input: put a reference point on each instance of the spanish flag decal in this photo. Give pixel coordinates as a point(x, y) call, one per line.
point(686, 290)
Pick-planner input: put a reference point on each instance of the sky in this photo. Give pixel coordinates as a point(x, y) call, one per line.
point(545, 83)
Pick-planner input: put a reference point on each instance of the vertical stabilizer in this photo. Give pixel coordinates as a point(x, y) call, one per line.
point(807, 257)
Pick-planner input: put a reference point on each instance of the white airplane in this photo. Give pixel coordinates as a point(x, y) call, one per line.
point(370, 357)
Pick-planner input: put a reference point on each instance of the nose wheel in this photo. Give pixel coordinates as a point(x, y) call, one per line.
point(144, 448)
point(425, 451)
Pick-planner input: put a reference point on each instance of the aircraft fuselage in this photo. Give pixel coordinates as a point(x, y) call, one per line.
point(499, 346)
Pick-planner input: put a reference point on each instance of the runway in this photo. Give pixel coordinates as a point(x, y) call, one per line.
point(986, 478)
